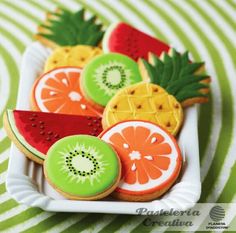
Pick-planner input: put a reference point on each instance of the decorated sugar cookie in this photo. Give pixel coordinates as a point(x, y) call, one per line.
point(125, 39)
point(107, 74)
point(82, 167)
point(174, 83)
point(35, 132)
point(59, 91)
point(144, 101)
point(185, 80)
point(78, 56)
point(65, 28)
point(150, 158)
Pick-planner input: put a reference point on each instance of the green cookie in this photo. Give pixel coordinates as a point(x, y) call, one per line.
point(82, 167)
point(106, 74)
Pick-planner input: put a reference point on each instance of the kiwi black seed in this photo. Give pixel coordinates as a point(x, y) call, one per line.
point(122, 74)
point(73, 170)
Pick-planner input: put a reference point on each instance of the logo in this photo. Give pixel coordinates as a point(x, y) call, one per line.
point(217, 213)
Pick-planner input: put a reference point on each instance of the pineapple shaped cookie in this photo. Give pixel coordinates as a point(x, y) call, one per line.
point(73, 38)
point(170, 83)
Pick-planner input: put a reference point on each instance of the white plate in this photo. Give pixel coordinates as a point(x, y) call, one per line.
point(26, 184)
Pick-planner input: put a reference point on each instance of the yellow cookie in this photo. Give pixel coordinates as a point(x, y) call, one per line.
point(144, 101)
point(78, 55)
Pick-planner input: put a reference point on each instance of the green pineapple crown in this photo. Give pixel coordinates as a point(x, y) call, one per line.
point(177, 75)
point(69, 29)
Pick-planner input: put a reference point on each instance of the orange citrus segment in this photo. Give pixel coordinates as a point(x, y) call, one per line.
point(59, 91)
point(150, 156)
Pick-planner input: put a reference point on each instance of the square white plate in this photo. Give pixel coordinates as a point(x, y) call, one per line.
point(25, 180)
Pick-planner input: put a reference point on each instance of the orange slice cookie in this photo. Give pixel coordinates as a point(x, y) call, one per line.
point(59, 91)
point(151, 159)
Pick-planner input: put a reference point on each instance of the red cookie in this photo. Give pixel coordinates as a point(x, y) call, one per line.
point(125, 39)
point(35, 132)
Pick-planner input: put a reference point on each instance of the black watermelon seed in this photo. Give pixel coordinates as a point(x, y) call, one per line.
point(89, 118)
point(49, 132)
point(42, 133)
point(48, 139)
point(71, 153)
point(95, 121)
point(56, 136)
point(89, 124)
point(41, 127)
point(34, 115)
point(41, 122)
point(31, 119)
point(33, 125)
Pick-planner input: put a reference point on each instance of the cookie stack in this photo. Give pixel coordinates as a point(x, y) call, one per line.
point(107, 109)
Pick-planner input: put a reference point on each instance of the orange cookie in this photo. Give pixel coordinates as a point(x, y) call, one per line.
point(151, 159)
point(59, 91)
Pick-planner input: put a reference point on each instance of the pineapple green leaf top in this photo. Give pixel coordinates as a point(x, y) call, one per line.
point(69, 29)
point(177, 75)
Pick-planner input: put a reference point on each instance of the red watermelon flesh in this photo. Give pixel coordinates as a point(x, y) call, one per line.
point(40, 130)
point(125, 39)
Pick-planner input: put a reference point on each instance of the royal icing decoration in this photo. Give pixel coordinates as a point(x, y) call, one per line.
point(67, 98)
point(107, 74)
point(37, 131)
point(82, 166)
point(147, 166)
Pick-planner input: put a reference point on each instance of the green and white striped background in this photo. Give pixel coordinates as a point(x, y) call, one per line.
point(207, 28)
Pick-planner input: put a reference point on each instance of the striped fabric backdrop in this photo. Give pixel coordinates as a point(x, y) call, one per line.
point(207, 28)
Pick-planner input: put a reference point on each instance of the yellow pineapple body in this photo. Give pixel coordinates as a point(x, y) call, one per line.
point(144, 101)
point(78, 55)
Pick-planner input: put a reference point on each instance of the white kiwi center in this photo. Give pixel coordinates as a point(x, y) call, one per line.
point(114, 77)
point(82, 164)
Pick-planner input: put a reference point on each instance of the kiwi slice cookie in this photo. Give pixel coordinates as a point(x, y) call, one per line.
point(106, 74)
point(82, 167)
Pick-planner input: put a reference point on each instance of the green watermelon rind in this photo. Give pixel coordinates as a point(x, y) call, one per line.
point(106, 37)
point(20, 138)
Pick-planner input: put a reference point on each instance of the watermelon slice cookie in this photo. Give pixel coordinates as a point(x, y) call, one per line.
point(105, 75)
point(59, 91)
point(82, 167)
point(35, 132)
point(150, 157)
point(125, 39)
